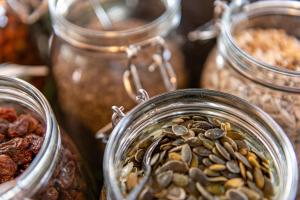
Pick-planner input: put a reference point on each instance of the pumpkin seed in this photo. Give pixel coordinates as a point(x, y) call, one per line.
point(216, 159)
point(236, 194)
point(242, 158)
point(164, 178)
point(179, 130)
point(154, 159)
point(217, 167)
point(180, 180)
point(197, 175)
point(176, 193)
point(203, 192)
point(223, 151)
point(186, 154)
point(214, 133)
point(234, 183)
point(259, 177)
point(201, 151)
point(232, 166)
point(175, 166)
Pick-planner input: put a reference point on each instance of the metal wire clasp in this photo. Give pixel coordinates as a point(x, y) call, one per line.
point(212, 28)
point(160, 60)
point(118, 114)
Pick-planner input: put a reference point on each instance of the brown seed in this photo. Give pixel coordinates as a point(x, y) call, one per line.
point(217, 167)
point(186, 154)
point(251, 194)
point(132, 180)
point(258, 177)
point(180, 180)
point(203, 192)
point(207, 162)
point(243, 159)
point(208, 144)
point(201, 151)
point(242, 169)
point(236, 194)
point(164, 178)
point(178, 120)
point(209, 172)
point(231, 142)
point(235, 135)
point(174, 165)
point(232, 166)
point(174, 156)
point(215, 189)
point(179, 130)
point(203, 125)
point(216, 159)
point(229, 148)
point(249, 176)
point(223, 151)
point(154, 159)
point(234, 183)
point(194, 142)
point(197, 175)
point(217, 179)
point(253, 161)
point(252, 186)
point(214, 134)
point(194, 162)
point(176, 193)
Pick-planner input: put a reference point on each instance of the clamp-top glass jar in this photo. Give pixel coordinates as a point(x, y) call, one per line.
point(256, 59)
point(261, 132)
point(99, 60)
point(37, 161)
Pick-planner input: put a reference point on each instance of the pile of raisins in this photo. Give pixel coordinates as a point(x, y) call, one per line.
point(21, 137)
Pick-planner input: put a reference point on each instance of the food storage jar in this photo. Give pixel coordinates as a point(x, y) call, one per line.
point(261, 131)
point(109, 51)
point(56, 171)
point(231, 69)
point(17, 45)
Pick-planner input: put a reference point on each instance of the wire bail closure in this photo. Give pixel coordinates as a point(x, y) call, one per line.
point(118, 114)
point(131, 79)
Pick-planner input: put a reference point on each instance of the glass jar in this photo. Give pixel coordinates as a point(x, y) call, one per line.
point(232, 70)
point(57, 171)
point(261, 131)
point(95, 64)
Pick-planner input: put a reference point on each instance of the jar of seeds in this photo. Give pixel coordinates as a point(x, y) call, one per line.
point(37, 160)
point(198, 144)
point(109, 51)
point(257, 58)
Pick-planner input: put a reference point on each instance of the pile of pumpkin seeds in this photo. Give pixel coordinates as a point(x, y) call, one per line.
point(198, 158)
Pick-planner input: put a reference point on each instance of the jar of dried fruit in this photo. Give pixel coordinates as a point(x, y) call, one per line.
point(110, 51)
point(37, 160)
point(190, 141)
point(257, 58)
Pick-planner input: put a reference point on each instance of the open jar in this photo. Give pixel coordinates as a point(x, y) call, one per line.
point(260, 132)
point(37, 160)
point(95, 64)
point(256, 59)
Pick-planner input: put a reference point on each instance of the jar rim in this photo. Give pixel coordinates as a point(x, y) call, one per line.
point(172, 6)
point(289, 7)
point(201, 94)
point(40, 168)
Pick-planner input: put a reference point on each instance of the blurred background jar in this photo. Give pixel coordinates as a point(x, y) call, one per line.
point(109, 51)
point(257, 58)
point(24, 32)
point(57, 171)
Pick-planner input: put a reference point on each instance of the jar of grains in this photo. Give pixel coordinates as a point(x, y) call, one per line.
point(111, 50)
point(257, 58)
point(198, 144)
point(36, 160)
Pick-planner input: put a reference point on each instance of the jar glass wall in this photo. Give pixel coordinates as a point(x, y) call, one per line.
point(261, 130)
point(91, 63)
point(56, 171)
point(230, 69)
